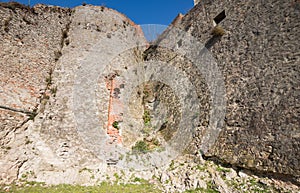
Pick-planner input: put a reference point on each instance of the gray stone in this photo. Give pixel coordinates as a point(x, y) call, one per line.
point(261, 76)
point(43, 49)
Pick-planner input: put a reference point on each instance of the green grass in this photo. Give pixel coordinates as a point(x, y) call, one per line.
point(104, 187)
point(146, 117)
point(222, 169)
point(202, 190)
point(140, 147)
point(201, 168)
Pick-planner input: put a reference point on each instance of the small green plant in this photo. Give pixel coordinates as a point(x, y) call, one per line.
point(33, 183)
point(116, 125)
point(146, 117)
point(121, 157)
point(140, 180)
point(201, 168)
point(53, 90)
point(24, 176)
point(85, 169)
point(147, 130)
point(221, 169)
point(172, 165)
point(117, 177)
point(156, 142)
point(140, 147)
point(122, 173)
point(146, 93)
point(211, 187)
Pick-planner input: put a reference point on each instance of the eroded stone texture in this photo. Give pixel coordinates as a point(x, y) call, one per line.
point(29, 44)
point(44, 49)
point(259, 59)
point(73, 125)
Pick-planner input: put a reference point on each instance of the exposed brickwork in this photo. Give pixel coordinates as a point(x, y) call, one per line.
point(114, 110)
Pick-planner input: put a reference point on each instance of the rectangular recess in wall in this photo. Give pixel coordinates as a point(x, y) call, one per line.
point(219, 17)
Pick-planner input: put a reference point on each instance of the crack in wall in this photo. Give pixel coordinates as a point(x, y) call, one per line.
point(49, 80)
point(19, 165)
point(28, 113)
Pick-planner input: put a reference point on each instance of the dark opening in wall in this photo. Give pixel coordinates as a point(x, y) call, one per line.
point(219, 17)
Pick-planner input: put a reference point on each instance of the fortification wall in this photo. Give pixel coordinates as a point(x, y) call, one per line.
point(43, 48)
point(31, 40)
point(256, 48)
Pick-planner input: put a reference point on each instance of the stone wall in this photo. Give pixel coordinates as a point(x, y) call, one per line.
point(30, 43)
point(43, 50)
point(256, 48)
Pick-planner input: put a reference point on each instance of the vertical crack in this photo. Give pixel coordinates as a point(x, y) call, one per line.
point(57, 54)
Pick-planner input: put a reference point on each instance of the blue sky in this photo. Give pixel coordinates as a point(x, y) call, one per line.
point(141, 12)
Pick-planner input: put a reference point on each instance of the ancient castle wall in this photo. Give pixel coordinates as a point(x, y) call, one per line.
point(258, 55)
point(31, 40)
point(41, 49)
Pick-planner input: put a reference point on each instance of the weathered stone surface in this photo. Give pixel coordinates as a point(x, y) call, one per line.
point(259, 59)
point(41, 52)
point(30, 40)
point(44, 49)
